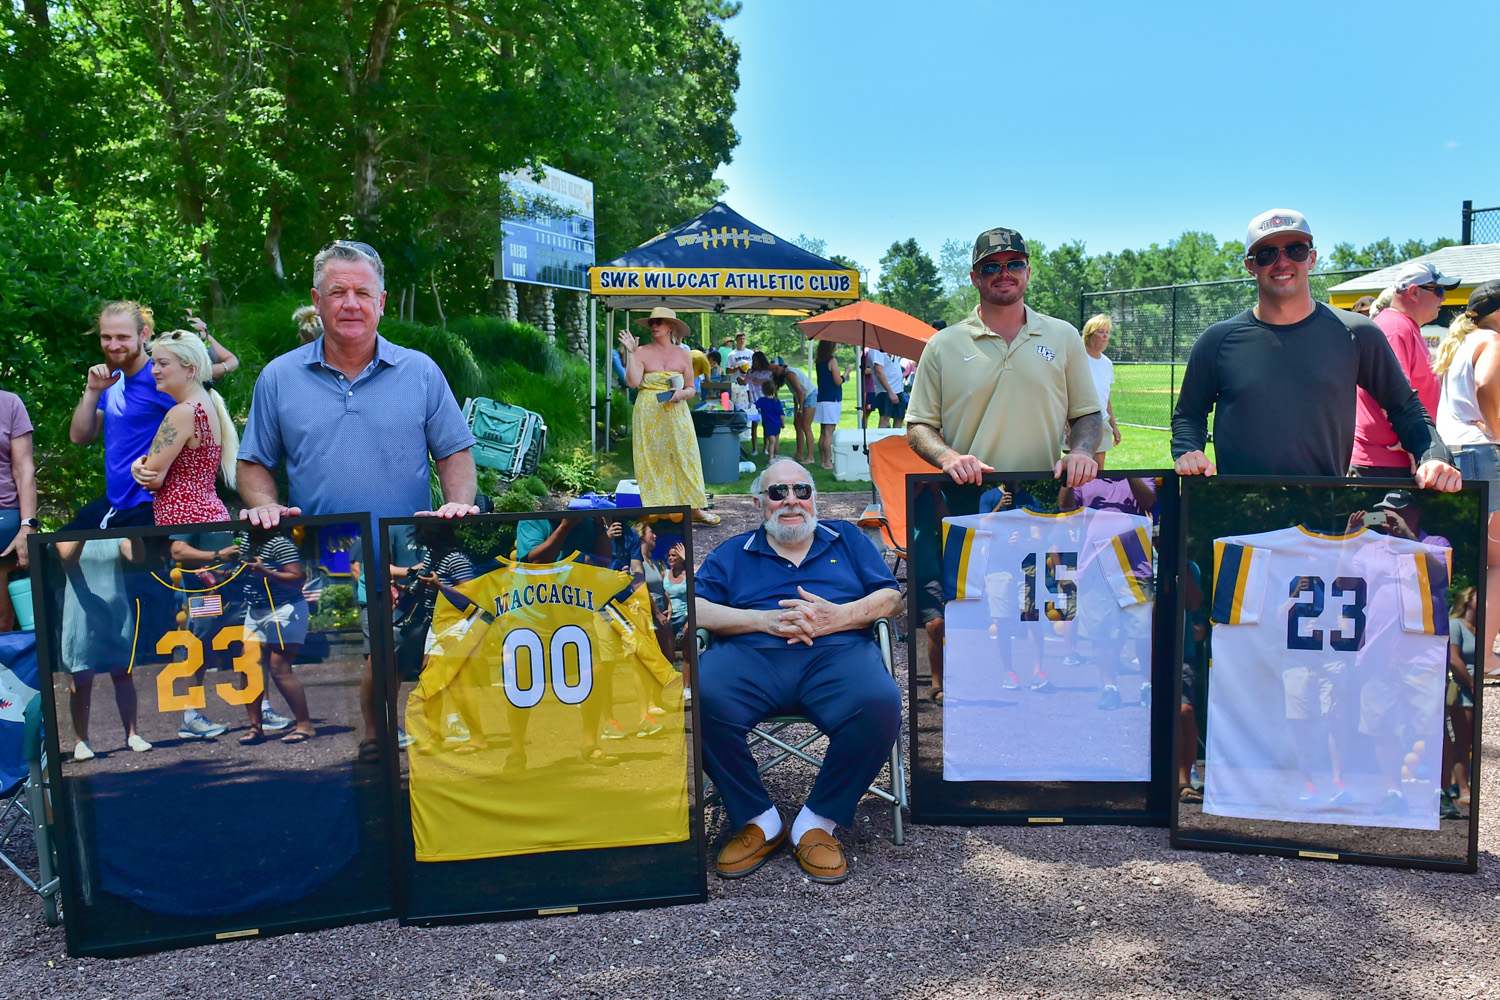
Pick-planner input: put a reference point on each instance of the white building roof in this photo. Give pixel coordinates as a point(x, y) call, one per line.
point(1470, 265)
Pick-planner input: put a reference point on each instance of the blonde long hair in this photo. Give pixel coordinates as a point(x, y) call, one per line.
point(190, 351)
point(1464, 324)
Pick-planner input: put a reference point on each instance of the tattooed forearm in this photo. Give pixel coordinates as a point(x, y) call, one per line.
point(166, 434)
point(928, 442)
point(1085, 433)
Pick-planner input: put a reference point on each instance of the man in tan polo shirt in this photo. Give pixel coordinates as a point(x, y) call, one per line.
point(998, 390)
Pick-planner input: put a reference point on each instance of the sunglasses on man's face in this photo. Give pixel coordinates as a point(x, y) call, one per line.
point(1295, 252)
point(363, 248)
point(995, 267)
point(778, 491)
point(1437, 290)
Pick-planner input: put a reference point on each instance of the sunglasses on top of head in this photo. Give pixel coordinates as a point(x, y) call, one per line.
point(1013, 266)
point(1295, 252)
point(778, 491)
point(363, 248)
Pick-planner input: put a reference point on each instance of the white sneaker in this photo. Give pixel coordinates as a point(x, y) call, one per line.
point(456, 732)
point(200, 728)
point(81, 751)
point(272, 721)
point(137, 744)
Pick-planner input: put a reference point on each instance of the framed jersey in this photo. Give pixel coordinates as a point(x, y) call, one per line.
point(541, 695)
point(209, 775)
point(1328, 652)
point(1040, 628)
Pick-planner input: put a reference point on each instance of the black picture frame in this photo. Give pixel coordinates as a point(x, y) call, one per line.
point(1038, 803)
point(100, 923)
point(1203, 503)
point(557, 882)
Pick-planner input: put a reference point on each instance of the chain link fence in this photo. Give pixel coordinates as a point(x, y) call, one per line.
point(1480, 225)
point(1155, 328)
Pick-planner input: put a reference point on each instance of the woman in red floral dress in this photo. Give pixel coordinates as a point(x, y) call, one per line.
point(196, 439)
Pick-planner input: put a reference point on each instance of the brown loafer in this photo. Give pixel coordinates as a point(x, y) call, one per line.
point(821, 857)
point(748, 849)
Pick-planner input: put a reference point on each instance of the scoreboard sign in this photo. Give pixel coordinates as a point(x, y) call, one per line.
point(549, 231)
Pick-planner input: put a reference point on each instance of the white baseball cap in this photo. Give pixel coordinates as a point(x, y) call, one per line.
point(1277, 220)
point(1419, 272)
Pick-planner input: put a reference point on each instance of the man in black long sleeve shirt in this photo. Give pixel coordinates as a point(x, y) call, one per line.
point(1281, 377)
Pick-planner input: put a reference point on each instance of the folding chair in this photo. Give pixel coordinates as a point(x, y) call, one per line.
point(772, 731)
point(507, 439)
point(30, 802)
point(891, 460)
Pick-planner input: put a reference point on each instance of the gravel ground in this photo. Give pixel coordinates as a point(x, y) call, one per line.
point(957, 912)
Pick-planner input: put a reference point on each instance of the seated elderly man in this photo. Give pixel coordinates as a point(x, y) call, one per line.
point(792, 604)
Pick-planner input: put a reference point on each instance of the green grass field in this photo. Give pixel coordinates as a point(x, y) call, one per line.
point(1145, 394)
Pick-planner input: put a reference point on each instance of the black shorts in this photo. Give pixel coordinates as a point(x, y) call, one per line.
point(97, 514)
point(888, 407)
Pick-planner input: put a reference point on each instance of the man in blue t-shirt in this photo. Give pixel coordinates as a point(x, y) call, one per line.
point(121, 401)
point(792, 603)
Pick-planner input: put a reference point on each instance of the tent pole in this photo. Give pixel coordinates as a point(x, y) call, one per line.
point(594, 382)
point(609, 380)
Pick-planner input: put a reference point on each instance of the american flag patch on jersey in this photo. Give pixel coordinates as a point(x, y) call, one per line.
point(205, 607)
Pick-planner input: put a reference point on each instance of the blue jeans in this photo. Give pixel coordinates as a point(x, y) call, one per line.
point(1481, 462)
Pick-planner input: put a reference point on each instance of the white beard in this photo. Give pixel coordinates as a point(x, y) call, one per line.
point(791, 534)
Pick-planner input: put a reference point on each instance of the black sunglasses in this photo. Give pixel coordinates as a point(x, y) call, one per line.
point(363, 248)
point(778, 491)
point(1295, 252)
point(1437, 290)
point(1014, 266)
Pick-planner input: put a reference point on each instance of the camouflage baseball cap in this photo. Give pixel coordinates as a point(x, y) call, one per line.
point(998, 241)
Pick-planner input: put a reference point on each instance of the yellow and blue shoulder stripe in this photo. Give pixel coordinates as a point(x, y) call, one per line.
point(1239, 583)
point(966, 551)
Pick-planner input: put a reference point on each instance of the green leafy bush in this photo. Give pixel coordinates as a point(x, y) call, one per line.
point(56, 270)
point(574, 471)
point(337, 611)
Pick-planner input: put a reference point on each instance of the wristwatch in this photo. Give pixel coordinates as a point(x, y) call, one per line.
point(32, 523)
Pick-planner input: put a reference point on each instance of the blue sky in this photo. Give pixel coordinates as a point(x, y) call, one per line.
point(1119, 124)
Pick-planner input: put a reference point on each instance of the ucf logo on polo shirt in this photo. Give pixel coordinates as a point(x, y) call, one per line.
point(1046, 352)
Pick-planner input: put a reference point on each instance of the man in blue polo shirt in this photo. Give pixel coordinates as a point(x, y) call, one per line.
point(353, 419)
point(120, 401)
point(791, 604)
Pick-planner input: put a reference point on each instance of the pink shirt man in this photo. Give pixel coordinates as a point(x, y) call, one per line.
point(1375, 442)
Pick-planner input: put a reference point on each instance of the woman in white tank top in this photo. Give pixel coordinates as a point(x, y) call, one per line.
point(1468, 362)
point(1468, 419)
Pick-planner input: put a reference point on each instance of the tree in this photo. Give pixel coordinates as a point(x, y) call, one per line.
point(272, 128)
point(909, 281)
point(1381, 253)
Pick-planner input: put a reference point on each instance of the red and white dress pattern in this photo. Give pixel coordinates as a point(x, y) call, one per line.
point(188, 496)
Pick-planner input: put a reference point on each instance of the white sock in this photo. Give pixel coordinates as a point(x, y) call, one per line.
point(190, 714)
point(808, 820)
point(769, 823)
point(265, 704)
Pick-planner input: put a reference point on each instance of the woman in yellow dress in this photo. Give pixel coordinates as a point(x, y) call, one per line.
point(667, 464)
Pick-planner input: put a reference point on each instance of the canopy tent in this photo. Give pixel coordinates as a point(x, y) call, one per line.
point(717, 262)
point(870, 324)
point(722, 262)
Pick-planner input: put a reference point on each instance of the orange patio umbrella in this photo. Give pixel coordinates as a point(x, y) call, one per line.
point(870, 324)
